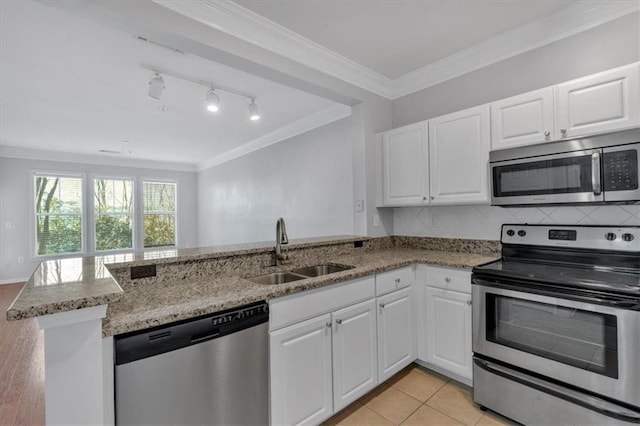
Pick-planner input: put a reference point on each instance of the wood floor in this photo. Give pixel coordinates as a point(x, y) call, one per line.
point(21, 366)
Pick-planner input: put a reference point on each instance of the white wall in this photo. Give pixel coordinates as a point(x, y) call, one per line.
point(15, 207)
point(610, 45)
point(307, 179)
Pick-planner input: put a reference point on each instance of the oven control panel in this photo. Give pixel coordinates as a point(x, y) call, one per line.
point(622, 238)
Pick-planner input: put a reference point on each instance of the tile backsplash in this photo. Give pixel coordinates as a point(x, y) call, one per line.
point(483, 221)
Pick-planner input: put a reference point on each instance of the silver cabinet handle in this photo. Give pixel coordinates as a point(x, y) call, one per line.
point(447, 279)
point(547, 133)
point(469, 302)
point(432, 197)
point(382, 305)
point(595, 173)
point(563, 131)
point(424, 198)
point(328, 324)
point(397, 280)
point(338, 321)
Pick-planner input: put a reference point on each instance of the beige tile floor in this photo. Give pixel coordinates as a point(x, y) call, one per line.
point(417, 396)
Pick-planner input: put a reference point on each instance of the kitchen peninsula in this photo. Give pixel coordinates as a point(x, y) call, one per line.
point(99, 297)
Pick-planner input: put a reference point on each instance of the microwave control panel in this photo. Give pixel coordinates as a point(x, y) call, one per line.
point(621, 170)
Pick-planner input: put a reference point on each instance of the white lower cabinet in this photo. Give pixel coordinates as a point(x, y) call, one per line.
point(448, 330)
point(396, 332)
point(354, 353)
point(444, 321)
point(320, 365)
point(301, 376)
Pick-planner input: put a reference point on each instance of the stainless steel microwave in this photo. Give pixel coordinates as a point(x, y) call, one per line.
point(591, 170)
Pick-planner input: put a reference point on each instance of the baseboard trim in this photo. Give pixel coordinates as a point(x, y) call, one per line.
point(14, 281)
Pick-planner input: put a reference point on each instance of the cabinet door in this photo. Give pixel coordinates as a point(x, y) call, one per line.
point(354, 353)
point(458, 157)
point(448, 329)
point(300, 372)
point(404, 163)
point(396, 333)
point(522, 120)
point(599, 103)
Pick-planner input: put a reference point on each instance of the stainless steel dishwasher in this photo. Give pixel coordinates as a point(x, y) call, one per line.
point(211, 370)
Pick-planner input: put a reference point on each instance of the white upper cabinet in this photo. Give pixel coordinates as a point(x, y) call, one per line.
point(599, 103)
point(459, 146)
point(404, 163)
point(523, 119)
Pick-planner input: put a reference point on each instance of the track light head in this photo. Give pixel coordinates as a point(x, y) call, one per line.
point(212, 101)
point(156, 86)
point(254, 114)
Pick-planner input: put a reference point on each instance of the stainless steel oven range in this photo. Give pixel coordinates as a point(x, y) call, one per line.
point(556, 326)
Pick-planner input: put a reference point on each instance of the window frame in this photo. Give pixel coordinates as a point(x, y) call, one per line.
point(87, 213)
point(142, 212)
point(92, 215)
point(35, 173)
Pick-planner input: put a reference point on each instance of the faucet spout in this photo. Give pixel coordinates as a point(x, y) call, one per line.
point(281, 238)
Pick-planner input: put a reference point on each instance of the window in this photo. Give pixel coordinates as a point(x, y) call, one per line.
point(58, 214)
point(113, 214)
point(123, 214)
point(159, 213)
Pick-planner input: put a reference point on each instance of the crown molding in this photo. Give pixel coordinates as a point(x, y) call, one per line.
point(571, 20)
point(303, 125)
point(70, 157)
point(233, 19)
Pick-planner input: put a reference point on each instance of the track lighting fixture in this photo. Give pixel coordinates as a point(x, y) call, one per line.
point(254, 114)
point(212, 101)
point(156, 86)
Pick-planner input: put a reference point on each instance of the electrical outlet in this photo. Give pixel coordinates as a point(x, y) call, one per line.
point(8, 224)
point(20, 259)
point(359, 205)
point(143, 271)
point(376, 220)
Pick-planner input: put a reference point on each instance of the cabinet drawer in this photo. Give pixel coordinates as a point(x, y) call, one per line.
point(308, 304)
point(387, 282)
point(449, 279)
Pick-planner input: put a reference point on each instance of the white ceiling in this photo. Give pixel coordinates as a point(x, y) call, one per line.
point(72, 85)
point(394, 38)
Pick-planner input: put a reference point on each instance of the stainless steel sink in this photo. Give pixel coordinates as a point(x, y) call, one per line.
point(299, 274)
point(276, 278)
point(317, 270)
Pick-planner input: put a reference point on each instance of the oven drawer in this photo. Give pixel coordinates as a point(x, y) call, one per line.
point(449, 279)
point(503, 389)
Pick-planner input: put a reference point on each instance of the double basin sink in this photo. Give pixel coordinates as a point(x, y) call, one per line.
point(299, 274)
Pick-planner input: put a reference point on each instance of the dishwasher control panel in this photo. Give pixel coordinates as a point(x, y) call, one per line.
point(165, 338)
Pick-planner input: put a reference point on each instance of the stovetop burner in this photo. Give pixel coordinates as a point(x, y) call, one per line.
point(615, 280)
point(602, 259)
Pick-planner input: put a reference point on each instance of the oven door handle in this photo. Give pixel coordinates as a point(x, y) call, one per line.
point(583, 399)
point(595, 173)
point(605, 300)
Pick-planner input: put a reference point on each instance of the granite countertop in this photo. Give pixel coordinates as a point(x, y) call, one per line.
point(69, 284)
point(148, 306)
point(65, 285)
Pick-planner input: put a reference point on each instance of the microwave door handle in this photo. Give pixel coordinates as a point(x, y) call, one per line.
point(595, 173)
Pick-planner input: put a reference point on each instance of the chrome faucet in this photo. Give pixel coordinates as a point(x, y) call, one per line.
point(281, 238)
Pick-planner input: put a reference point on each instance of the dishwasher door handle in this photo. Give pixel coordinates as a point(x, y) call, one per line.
point(207, 335)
